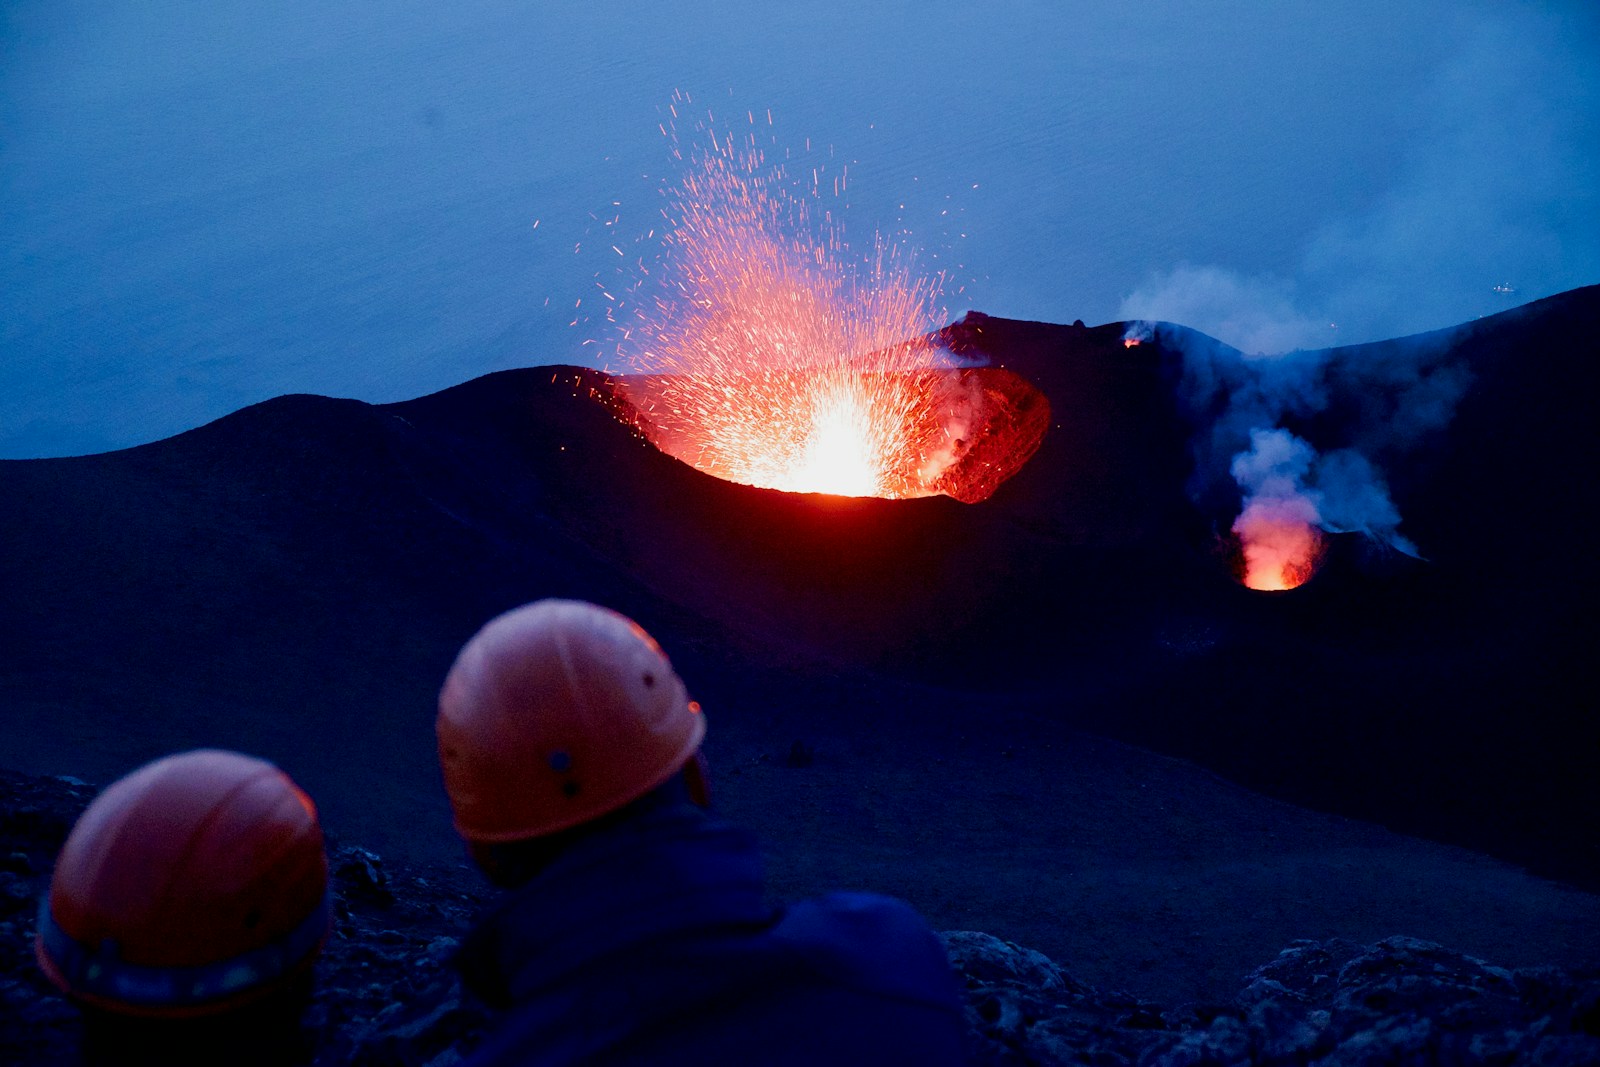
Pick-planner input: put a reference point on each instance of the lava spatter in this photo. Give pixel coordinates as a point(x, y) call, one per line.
point(763, 350)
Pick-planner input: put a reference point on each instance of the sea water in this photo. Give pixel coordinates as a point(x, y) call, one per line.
point(205, 205)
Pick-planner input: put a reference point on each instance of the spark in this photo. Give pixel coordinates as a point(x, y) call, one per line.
point(764, 351)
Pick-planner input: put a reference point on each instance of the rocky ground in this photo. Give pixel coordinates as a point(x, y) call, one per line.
point(387, 994)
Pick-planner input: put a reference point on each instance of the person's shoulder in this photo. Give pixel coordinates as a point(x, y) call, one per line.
point(867, 914)
point(869, 940)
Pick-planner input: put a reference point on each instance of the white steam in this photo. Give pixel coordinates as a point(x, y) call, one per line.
point(1371, 404)
point(1255, 315)
point(1288, 487)
point(1277, 525)
point(1273, 474)
point(1354, 499)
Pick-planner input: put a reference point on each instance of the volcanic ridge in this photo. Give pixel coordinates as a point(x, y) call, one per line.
point(1012, 712)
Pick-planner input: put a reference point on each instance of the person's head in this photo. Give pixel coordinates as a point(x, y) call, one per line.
point(190, 898)
point(556, 716)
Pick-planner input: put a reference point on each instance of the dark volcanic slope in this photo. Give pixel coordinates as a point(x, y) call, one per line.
point(293, 580)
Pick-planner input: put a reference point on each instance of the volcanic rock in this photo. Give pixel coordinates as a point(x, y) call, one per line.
point(1398, 1001)
point(387, 995)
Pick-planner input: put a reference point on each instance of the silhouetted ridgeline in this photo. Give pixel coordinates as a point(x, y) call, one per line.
point(295, 578)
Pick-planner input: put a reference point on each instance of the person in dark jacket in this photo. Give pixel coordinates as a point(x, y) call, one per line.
point(636, 929)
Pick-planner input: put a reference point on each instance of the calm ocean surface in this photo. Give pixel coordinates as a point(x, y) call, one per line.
point(202, 206)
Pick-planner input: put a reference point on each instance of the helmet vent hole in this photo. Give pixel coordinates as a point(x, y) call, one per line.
point(649, 680)
point(569, 789)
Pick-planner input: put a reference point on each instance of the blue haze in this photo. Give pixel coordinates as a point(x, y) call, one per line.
point(205, 205)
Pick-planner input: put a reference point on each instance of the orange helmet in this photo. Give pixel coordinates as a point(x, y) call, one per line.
point(193, 885)
point(557, 713)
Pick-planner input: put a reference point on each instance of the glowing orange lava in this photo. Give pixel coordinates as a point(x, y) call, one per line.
point(960, 432)
point(839, 455)
point(760, 350)
point(1281, 550)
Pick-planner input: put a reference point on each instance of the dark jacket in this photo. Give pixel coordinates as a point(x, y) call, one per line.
point(649, 942)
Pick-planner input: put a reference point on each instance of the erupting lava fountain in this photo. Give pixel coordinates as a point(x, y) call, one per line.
point(759, 351)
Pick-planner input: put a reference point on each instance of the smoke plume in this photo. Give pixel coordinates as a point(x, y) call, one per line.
point(1295, 445)
point(1277, 527)
point(1481, 216)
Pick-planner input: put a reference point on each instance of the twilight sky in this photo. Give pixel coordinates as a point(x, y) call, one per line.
point(207, 205)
